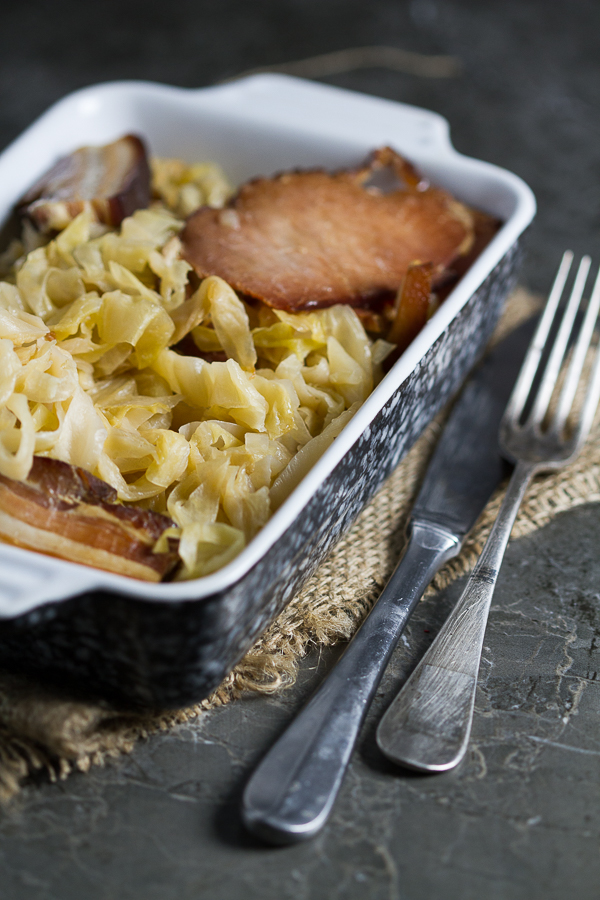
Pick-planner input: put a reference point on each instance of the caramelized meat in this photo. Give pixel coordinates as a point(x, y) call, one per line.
point(412, 307)
point(114, 180)
point(64, 511)
point(303, 240)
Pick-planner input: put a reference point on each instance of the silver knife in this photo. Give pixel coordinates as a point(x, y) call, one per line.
point(291, 793)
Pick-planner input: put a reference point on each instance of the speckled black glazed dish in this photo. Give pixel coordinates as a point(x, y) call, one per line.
point(171, 644)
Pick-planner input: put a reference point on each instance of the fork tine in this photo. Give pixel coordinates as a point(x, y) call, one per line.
point(554, 363)
point(428, 727)
point(530, 365)
point(590, 405)
point(577, 363)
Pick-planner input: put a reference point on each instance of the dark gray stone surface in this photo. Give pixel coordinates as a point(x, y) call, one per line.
point(519, 820)
point(528, 98)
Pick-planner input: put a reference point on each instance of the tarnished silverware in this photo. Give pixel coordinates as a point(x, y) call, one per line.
point(427, 727)
point(291, 793)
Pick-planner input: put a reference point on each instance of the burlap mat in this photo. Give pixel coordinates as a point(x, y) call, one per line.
point(42, 732)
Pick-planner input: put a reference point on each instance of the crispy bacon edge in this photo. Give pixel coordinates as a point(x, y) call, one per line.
point(113, 179)
point(64, 511)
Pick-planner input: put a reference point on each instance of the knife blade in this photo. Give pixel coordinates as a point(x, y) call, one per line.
point(290, 795)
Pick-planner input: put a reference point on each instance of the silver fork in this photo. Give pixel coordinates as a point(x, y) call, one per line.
point(427, 727)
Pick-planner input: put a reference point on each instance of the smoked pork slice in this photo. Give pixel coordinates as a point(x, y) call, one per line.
point(64, 511)
point(303, 240)
point(113, 180)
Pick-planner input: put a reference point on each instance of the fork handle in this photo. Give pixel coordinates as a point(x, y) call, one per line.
point(427, 727)
point(291, 793)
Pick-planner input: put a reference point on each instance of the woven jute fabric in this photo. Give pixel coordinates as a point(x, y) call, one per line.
point(42, 731)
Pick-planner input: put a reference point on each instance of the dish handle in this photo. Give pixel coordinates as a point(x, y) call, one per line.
point(288, 101)
point(29, 580)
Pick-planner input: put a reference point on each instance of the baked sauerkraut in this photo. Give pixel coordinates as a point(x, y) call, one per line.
point(186, 399)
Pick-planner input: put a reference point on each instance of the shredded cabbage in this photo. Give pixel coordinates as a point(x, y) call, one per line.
point(215, 432)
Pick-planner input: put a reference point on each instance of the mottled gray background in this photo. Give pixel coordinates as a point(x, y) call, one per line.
point(520, 819)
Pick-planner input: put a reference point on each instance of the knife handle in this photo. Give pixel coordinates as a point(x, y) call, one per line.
point(291, 793)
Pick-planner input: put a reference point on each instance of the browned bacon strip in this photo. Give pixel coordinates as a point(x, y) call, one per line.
point(413, 305)
point(63, 510)
point(114, 180)
point(311, 239)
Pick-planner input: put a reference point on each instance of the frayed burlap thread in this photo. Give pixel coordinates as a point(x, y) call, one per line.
point(42, 731)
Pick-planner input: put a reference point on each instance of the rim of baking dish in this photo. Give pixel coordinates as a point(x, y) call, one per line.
point(290, 106)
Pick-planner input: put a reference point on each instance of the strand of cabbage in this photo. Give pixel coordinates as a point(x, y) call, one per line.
point(90, 374)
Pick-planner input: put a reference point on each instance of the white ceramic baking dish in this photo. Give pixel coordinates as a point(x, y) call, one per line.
point(172, 643)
